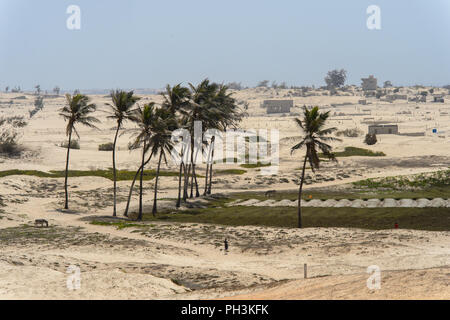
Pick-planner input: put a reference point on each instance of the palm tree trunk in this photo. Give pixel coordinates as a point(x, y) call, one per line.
point(207, 172)
point(66, 205)
point(197, 193)
point(179, 186)
point(186, 181)
point(114, 170)
point(179, 177)
point(156, 185)
point(299, 211)
point(132, 185)
point(211, 166)
point(140, 184)
point(192, 176)
point(210, 178)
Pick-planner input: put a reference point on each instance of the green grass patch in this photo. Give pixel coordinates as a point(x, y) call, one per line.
point(353, 152)
point(119, 225)
point(440, 179)
point(430, 193)
point(122, 175)
point(255, 165)
point(229, 171)
point(433, 219)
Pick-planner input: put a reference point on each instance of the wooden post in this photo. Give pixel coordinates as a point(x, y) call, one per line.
point(305, 269)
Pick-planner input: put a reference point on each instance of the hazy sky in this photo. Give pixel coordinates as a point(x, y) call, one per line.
point(146, 44)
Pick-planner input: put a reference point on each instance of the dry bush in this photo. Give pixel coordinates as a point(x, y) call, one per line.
point(350, 133)
point(370, 139)
point(74, 144)
point(106, 147)
point(9, 136)
point(8, 143)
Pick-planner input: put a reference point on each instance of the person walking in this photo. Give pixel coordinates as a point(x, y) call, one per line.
point(226, 245)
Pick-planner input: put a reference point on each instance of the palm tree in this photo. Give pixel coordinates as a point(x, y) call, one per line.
point(176, 100)
point(201, 108)
point(226, 114)
point(122, 110)
point(132, 185)
point(77, 110)
point(144, 118)
point(161, 141)
point(315, 136)
point(156, 135)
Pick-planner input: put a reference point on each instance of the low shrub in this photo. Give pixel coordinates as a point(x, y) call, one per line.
point(74, 144)
point(370, 139)
point(8, 143)
point(350, 133)
point(106, 147)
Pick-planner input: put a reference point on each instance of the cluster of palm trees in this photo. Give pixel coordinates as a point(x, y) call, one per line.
point(210, 103)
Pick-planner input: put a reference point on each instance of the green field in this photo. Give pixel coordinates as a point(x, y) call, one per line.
point(433, 219)
point(351, 194)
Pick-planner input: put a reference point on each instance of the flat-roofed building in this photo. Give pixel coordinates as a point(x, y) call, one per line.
point(438, 98)
point(278, 106)
point(383, 129)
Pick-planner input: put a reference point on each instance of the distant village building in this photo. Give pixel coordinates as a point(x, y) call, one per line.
point(438, 98)
point(418, 98)
point(369, 83)
point(278, 106)
point(383, 129)
point(396, 96)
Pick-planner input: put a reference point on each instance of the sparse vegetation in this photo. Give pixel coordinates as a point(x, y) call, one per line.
point(420, 181)
point(8, 144)
point(350, 133)
point(9, 136)
point(122, 175)
point(353, 152)
point(370, 139)
point(255, 165)
point(38, 106)
point(74, 144)
point(106, 147)
point(119, 225)
point(230, 171)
